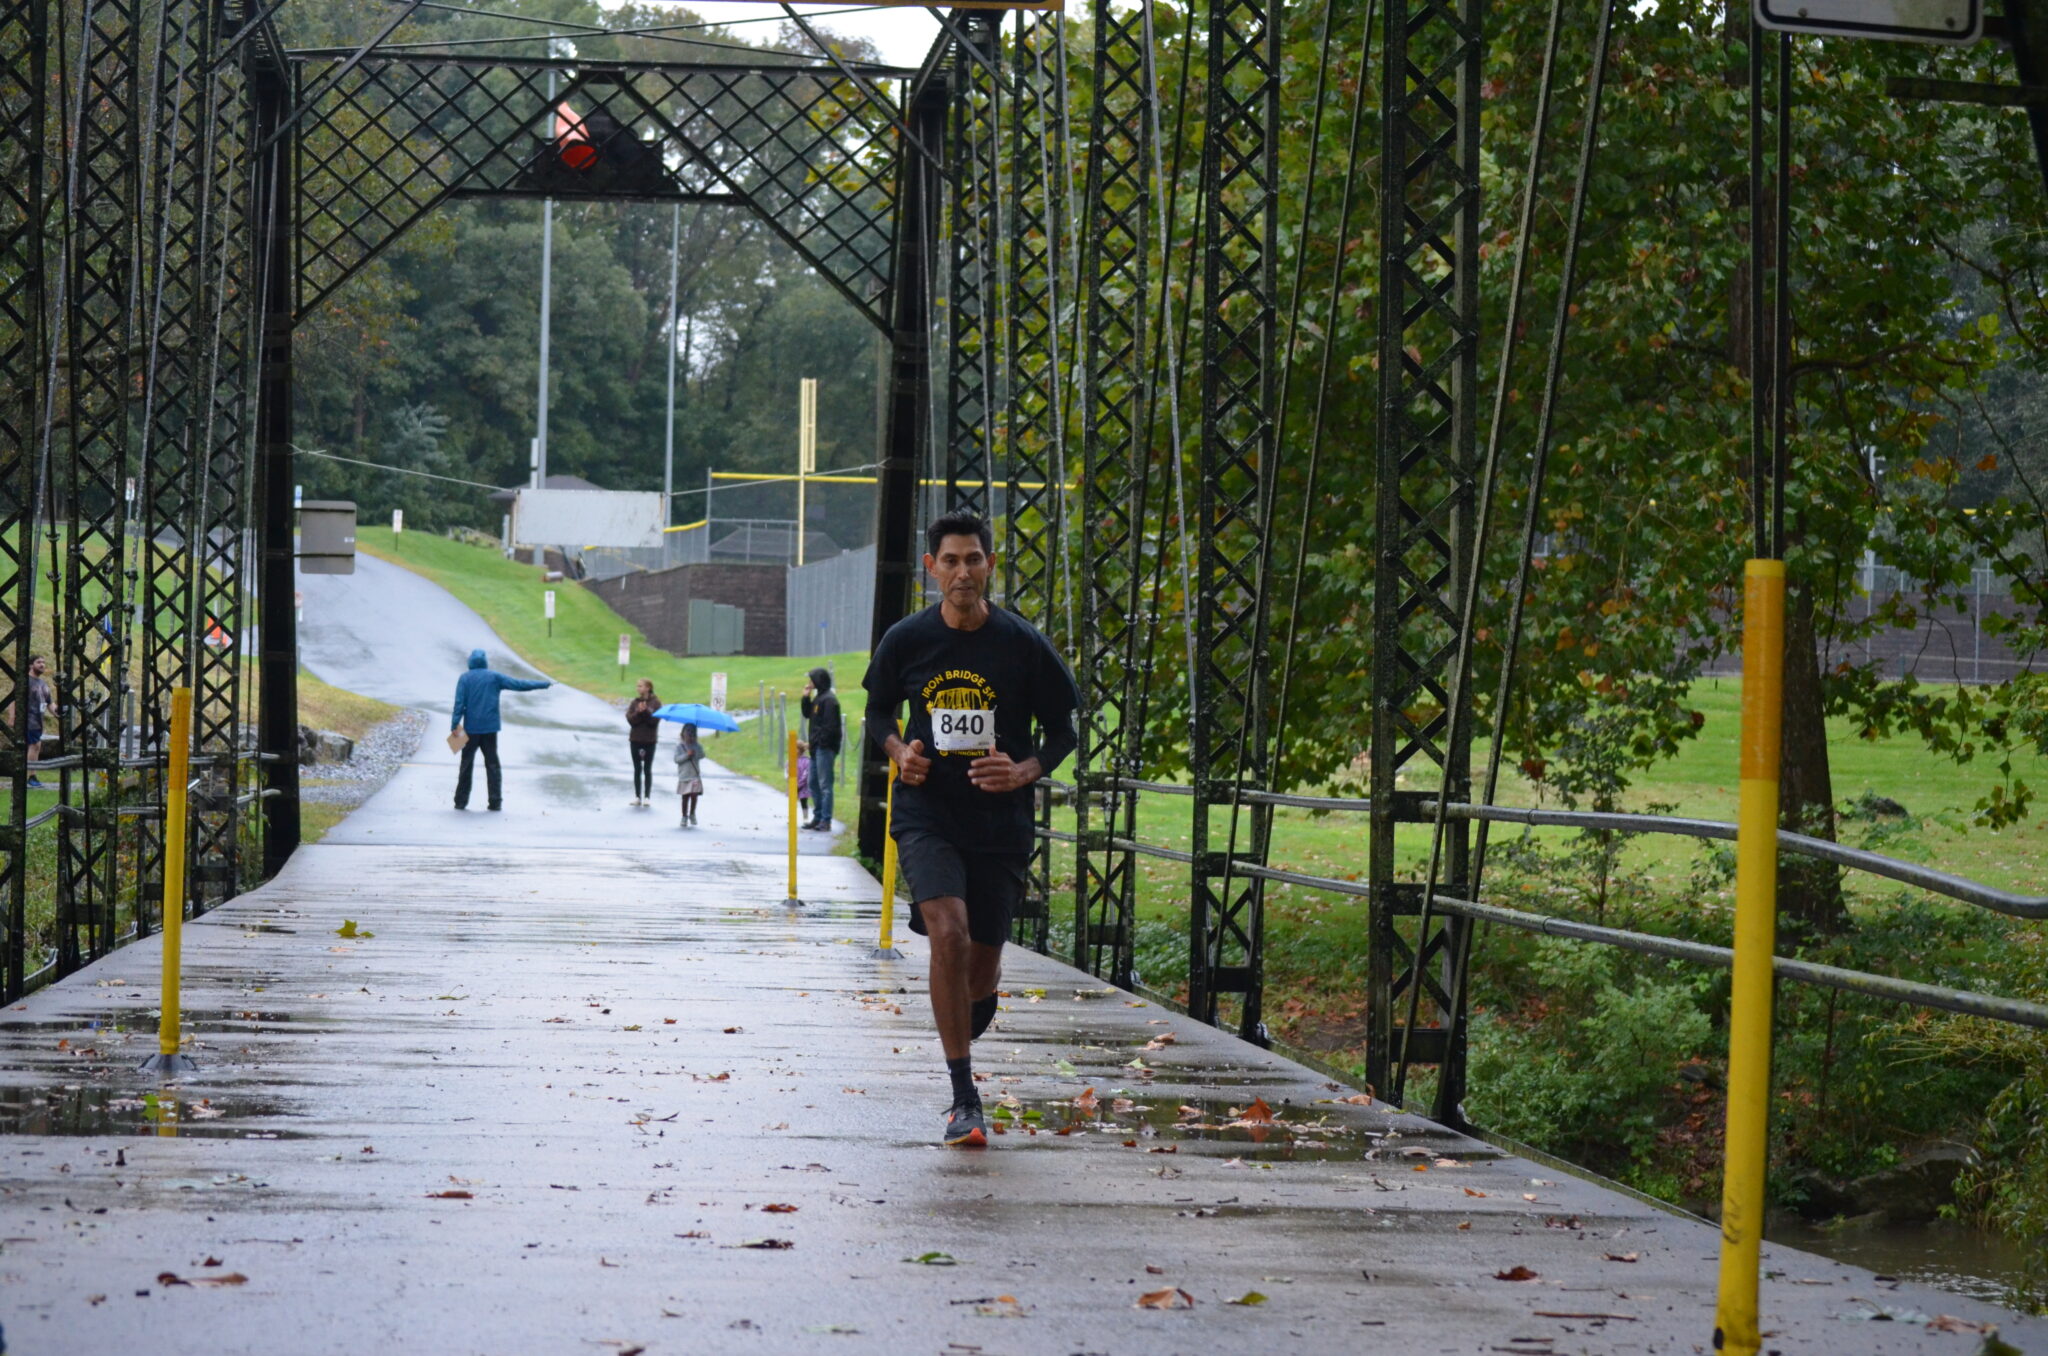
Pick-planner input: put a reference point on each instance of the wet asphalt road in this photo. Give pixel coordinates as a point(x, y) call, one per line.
point(589, 1087)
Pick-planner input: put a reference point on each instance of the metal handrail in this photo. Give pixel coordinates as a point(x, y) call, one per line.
point(2014, 1010)
point(1954, 887)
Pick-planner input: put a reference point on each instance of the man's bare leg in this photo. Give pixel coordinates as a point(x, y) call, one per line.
point(952, 971)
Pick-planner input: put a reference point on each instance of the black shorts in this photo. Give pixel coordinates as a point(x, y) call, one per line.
point(992, 883)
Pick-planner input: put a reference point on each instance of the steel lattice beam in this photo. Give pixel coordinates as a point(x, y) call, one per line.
point(1034, 441)
point(23, 356)
point(395, 137)
point(974, 332)
point(1228, 745)
point(1115, 411)
point(101, 195)
point(1427, 453)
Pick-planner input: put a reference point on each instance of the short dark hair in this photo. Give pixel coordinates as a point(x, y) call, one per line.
point(959, 523)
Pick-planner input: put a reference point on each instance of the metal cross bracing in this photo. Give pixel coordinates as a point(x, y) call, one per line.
point(124, 307)
point(23, 359)
point(807, 149)
point(973, 292)
point(1115, 415)
point(174, 328)
point(1425, 507)
point(101, 197)
point(1229, 741)
point(1034, 422)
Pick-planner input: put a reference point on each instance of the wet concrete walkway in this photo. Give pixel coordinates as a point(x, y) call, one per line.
point(580, 1083)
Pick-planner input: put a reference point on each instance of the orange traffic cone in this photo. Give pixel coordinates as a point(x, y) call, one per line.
point(214, 635)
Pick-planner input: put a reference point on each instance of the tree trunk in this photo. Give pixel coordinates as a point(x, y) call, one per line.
point(1809, 892)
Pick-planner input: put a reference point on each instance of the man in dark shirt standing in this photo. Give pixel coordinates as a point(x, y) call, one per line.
point(820, 707)
point(976, 678)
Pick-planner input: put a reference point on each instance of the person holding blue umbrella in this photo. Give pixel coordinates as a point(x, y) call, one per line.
point(690, 753)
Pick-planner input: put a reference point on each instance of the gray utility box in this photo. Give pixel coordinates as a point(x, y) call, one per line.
point(327, 537)
point(716, 628)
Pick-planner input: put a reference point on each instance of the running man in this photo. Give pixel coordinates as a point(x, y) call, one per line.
point(975, 677)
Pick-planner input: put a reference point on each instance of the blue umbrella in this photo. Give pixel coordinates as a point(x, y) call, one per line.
point(697, 714)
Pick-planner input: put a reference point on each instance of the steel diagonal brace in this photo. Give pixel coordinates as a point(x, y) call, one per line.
point(335, 77)
point(866, 87)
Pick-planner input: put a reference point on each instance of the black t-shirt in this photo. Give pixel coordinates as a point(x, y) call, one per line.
point(950, 679)
point(822, 711)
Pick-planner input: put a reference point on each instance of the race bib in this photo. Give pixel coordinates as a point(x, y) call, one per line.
point(964, 731)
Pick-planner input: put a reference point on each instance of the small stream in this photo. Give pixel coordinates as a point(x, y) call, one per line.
point(1948, 1255)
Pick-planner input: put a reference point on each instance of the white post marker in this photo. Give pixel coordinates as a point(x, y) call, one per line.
point(547, 607)
point(625, 652)
point(718, 692)
point(397, 521)
point(806, 451)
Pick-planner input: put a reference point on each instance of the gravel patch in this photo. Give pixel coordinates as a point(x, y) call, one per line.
point(378, 754)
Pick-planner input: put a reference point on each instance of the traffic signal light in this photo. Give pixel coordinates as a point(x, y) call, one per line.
point(593, 153)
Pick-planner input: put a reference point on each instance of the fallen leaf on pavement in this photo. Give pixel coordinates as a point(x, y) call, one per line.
point(1258, 1113)
point(1002, 1306)
point(349, 930)
point(1622, 1256)
point(1517, 1273)
point(768, 1244)
point(449, 1196)
point(933, 1259)
point(173, 1278)
point(1248, 1298)
point(1470, 1192)
point(1087, 1101)
point(778, 1208)
point(732, 1031)
point(1950, 1323)
point(1173, 1297)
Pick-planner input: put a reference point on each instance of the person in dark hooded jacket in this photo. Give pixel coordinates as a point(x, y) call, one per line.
point(476, 714)
point(820, 707)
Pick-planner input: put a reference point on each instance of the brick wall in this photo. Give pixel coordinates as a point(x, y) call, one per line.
point(658, 601)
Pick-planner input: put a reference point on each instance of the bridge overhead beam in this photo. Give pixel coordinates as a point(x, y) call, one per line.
point(1425, 509)
point(1229, 746)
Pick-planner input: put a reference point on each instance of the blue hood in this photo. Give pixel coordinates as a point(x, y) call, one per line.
point(477, 660)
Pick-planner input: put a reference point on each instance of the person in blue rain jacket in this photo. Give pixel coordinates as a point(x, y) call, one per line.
point(476, 714)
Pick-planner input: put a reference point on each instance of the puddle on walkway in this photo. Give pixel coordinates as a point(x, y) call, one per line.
point(83, 1110)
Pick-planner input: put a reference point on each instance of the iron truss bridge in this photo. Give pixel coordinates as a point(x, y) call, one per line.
point(178, 191)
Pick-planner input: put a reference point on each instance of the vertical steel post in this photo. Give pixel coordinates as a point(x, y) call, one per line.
point(974, 334)
point(23, 58)
point(1228, 748)
point(908, 418)
point(101, 195)
point(1034, 426)
point(1428, 316)
point(271, 220)
point(1116, 405)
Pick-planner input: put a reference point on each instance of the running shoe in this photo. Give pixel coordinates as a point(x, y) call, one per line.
point(966, 1128)
point(982, 1013)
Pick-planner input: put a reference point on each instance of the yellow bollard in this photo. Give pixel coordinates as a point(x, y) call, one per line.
point(1736, 1326)
point(885, 948)
point(177, 777)
point(793, 901)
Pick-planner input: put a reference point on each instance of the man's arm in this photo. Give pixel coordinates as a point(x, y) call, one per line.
point(455, 716)
point(1057, 697)
point(511, 684)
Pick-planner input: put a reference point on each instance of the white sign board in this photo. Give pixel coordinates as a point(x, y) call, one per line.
point(547, 602)
point(579, 518)
point(625, 650)
point(718, 692)
point(1896, 20)
point(397, 521)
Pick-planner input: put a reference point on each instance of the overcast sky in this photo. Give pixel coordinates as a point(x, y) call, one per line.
point(903, 33)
